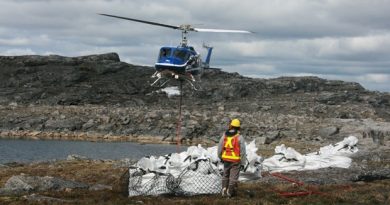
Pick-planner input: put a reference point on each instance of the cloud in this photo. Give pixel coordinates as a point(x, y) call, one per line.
point(345, 40)
point(16, 52)
point(251, 69)
point(346, 47)
point(14, 42)
point(26, 41)
point(376, 78)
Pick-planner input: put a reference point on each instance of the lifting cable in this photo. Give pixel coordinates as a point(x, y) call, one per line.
point(179, 120)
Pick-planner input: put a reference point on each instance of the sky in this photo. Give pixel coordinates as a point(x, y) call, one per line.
point(345, 40)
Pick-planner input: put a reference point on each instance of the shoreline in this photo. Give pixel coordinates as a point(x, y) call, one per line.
point(96, 137)
point(78, 136)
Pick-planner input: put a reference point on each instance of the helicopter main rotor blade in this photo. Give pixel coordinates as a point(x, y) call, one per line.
point(221, 30)
point(142, 21)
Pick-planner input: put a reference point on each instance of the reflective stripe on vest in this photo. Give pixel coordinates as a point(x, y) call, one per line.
point(231, 149)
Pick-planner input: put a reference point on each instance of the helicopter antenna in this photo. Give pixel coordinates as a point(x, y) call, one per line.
point(185, 28)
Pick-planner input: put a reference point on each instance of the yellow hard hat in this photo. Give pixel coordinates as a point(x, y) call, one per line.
point(235, 123)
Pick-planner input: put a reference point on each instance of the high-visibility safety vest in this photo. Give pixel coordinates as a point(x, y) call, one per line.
point(231, 149)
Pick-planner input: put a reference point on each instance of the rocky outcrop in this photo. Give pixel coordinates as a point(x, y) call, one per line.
point(68, 81)
point(372, 175)
point(103, 79)
point(20, 184)
point(99, 97)
point(100, 187)
point(379, 134)
point(45, 199)
point(76, 157)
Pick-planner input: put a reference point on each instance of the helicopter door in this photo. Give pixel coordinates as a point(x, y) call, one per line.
point(164, 55)
point(181, 56)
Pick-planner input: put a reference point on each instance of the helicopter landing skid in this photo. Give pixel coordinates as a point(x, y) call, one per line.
point(160, 81)
point(163, 77)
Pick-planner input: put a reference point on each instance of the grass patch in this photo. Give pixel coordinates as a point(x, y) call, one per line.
point(92, 172)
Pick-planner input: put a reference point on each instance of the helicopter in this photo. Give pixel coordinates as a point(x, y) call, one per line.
point(181, 62)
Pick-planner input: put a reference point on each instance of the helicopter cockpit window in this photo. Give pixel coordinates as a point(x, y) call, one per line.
point(181, 54)
point(165, 52)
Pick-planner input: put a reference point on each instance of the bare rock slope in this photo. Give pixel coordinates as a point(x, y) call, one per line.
point(101, 95)
point(98, 97)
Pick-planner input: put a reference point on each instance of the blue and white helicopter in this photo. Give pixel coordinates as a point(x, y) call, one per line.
point(181, 62)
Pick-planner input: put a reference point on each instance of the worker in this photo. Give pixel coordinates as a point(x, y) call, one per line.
point(232, 152)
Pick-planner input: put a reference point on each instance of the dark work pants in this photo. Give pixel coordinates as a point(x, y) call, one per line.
point(231, 172)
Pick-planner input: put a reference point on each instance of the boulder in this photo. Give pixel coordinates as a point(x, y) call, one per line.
point(379, 136)
point(328, 131)
point(99, 187)
point(372, 175)
point(61, 124)
point(379, 132)
point(124, 163)
point(45, 199)
point(88, 124)
point(271, 136)
point(260, 140)
point(22, 183)
point(76, 157)
point(105, 68)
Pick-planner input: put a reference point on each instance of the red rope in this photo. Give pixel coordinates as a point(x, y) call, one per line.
point(279, 175)
point(308, 190)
